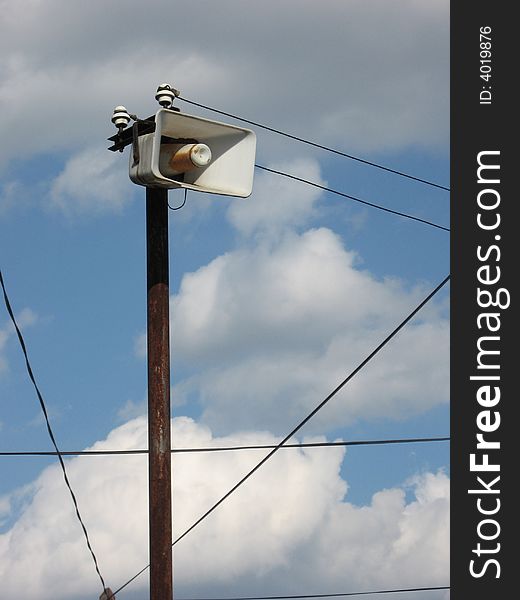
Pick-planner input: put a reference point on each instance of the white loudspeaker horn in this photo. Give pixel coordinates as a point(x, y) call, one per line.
point(190, 152)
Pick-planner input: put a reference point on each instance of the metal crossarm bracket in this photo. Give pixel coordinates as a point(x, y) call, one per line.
point(124, 138)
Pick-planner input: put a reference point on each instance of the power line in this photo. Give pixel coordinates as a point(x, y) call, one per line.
point(316, 145)
point(230, 448)
point(49, 428)
point(305, 420)
point(334, 595)
point(356, 199)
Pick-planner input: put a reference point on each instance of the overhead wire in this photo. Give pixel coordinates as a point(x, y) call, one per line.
point(333, 595)
point(230, 448)
point(49, 428)
point(340, 386)
point(354, 198)
point(316, 145)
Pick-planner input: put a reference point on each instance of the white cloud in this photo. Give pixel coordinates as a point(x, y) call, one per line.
point(131, 410)
point(274, 328)
point(289, 525)
point(276, 203)
point(5, 505)
point(92, 182)
point(362, 76)
point(76, 98)
point(10, 196)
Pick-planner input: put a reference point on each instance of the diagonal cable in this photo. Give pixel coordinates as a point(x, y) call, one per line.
point(356, 199)
point(49, 428)
point(352, 374)
point(316, 145)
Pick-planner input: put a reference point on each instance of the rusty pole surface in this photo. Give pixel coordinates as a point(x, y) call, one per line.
point(159, 459)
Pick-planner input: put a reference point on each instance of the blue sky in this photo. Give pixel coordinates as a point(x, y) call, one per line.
point(274, 298)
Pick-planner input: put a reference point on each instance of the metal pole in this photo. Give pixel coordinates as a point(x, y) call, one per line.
point(159, 459)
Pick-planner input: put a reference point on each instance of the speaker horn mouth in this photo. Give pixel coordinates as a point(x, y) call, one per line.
point(186, 157)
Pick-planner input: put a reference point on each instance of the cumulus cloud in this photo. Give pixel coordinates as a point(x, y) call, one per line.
point(276, 204)
point(291, 525)
point(276, 327)
point(92, 182)
point(355, 74)
point(9, 196)
point(132, 409)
